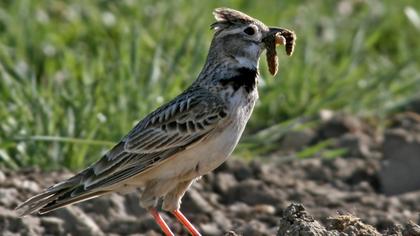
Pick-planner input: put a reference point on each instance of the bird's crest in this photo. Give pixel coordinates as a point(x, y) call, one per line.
point(226, 17)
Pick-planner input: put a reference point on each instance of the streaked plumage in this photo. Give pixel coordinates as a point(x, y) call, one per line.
point(185, 138)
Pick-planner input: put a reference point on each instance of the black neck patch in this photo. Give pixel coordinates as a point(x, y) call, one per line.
point(245, 77)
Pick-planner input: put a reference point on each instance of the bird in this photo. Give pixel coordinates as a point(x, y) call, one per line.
point(186, 138)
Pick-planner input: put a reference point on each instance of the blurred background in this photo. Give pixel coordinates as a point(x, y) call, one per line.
point(75, 76)
point(338, 129)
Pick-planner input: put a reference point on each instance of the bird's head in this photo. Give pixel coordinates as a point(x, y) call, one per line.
point(243, 38)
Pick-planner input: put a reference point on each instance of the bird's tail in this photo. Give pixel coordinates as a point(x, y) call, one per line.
point(81, 187)
point(59, 195)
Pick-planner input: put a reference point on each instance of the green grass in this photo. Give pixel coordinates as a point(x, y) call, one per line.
point(76, 75)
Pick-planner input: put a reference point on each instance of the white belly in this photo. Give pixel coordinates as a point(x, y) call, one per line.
point(211, 152)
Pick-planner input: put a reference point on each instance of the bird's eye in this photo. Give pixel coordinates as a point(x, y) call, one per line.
point(249, 31)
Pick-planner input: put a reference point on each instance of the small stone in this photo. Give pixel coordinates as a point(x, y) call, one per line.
point(77, 222)
point(231, 233)
point(210, 229)
point(239, 208)
point(194, 202)
point(2, 177)
point(254, 228)
point(8, 197)
point(27, 185)
point(109, 206)
point(252, 192)
point(148, 233)
point(356, 144)
point(220, 219)
point(264, 209)
point(131, 225)
point(53, 225)
point(224, 181)
point(295, 140)
point(399, 172)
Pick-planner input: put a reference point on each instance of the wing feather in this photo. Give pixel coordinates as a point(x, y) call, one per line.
point(170, 129)
point(175, 124)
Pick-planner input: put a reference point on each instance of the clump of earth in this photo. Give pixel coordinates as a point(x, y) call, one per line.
point(355, 194)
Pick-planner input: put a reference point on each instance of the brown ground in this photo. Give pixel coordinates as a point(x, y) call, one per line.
point(340, 196)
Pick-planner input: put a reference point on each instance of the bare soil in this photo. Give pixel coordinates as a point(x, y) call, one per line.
point(268, 196)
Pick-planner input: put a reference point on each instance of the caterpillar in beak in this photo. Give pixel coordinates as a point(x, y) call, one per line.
point(286, 38)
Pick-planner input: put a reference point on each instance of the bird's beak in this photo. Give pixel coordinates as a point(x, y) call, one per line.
point(276, 32)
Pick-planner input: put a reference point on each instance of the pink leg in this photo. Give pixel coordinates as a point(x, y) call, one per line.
point(184, 221)
point(160, 222)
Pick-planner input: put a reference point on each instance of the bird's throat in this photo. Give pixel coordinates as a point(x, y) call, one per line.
point(244, 78)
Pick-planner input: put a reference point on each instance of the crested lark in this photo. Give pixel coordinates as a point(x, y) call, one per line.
point(187, 137)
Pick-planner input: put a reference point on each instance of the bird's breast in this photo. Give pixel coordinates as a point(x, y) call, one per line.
point(215, 148)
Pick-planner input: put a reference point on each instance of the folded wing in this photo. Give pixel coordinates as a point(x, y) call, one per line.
point(170, 129)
